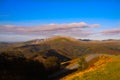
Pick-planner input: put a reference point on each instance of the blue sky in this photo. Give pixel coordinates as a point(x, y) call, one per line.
point(32, 13)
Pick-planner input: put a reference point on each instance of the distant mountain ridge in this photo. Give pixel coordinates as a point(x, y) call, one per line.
point(66, 47)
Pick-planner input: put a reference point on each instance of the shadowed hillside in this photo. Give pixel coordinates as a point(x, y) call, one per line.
point(14, 67)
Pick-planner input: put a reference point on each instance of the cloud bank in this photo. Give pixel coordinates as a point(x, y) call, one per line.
point(81, 30)
point(50, 29)
point(115, 31)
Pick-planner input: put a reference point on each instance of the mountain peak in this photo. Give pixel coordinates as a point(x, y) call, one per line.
point(55, 38)
point(62, 38)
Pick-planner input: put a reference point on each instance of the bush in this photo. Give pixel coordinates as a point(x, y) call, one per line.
point(52, 64)
point(83, 64)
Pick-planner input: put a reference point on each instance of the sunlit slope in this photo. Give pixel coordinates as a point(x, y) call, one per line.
point(101, 68)
point(65, 46)
point(74, 48)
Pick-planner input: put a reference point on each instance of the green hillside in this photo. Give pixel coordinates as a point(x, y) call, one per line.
point(103, 68)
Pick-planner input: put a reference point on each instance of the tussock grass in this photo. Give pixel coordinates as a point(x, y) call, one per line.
point(101, 68)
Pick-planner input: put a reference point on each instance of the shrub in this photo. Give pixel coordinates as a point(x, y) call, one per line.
point(82, 63)
point(52, 64)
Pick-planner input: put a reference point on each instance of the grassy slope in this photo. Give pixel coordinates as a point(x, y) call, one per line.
point(74, 48)
point(102, 68)
point(65, 46)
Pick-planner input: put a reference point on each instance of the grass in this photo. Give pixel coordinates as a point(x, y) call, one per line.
point(105, 68)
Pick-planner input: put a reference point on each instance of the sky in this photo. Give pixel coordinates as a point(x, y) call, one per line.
point(22, 20)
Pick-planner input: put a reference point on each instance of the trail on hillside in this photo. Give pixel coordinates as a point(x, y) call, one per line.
point(73, 68)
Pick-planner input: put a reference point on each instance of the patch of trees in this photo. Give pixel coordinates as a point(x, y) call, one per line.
point(52, 64)
point(14, 67)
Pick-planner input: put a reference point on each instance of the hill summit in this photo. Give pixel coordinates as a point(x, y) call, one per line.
point(65, 46)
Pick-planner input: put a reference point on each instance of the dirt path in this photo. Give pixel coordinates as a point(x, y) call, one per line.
point(72, 68)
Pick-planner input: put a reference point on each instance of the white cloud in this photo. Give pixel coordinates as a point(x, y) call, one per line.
point(115, 31)
point(80, 29)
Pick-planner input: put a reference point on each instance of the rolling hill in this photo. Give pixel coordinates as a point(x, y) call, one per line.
point(60, 54)
point(65, 47)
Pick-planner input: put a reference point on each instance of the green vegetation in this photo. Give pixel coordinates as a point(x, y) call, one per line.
point(52, 64)
point(14, 67)
point(110, 71)
point(82, 64)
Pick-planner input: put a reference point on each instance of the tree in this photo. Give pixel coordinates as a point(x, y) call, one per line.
point(82, 63)
point(52, 64)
